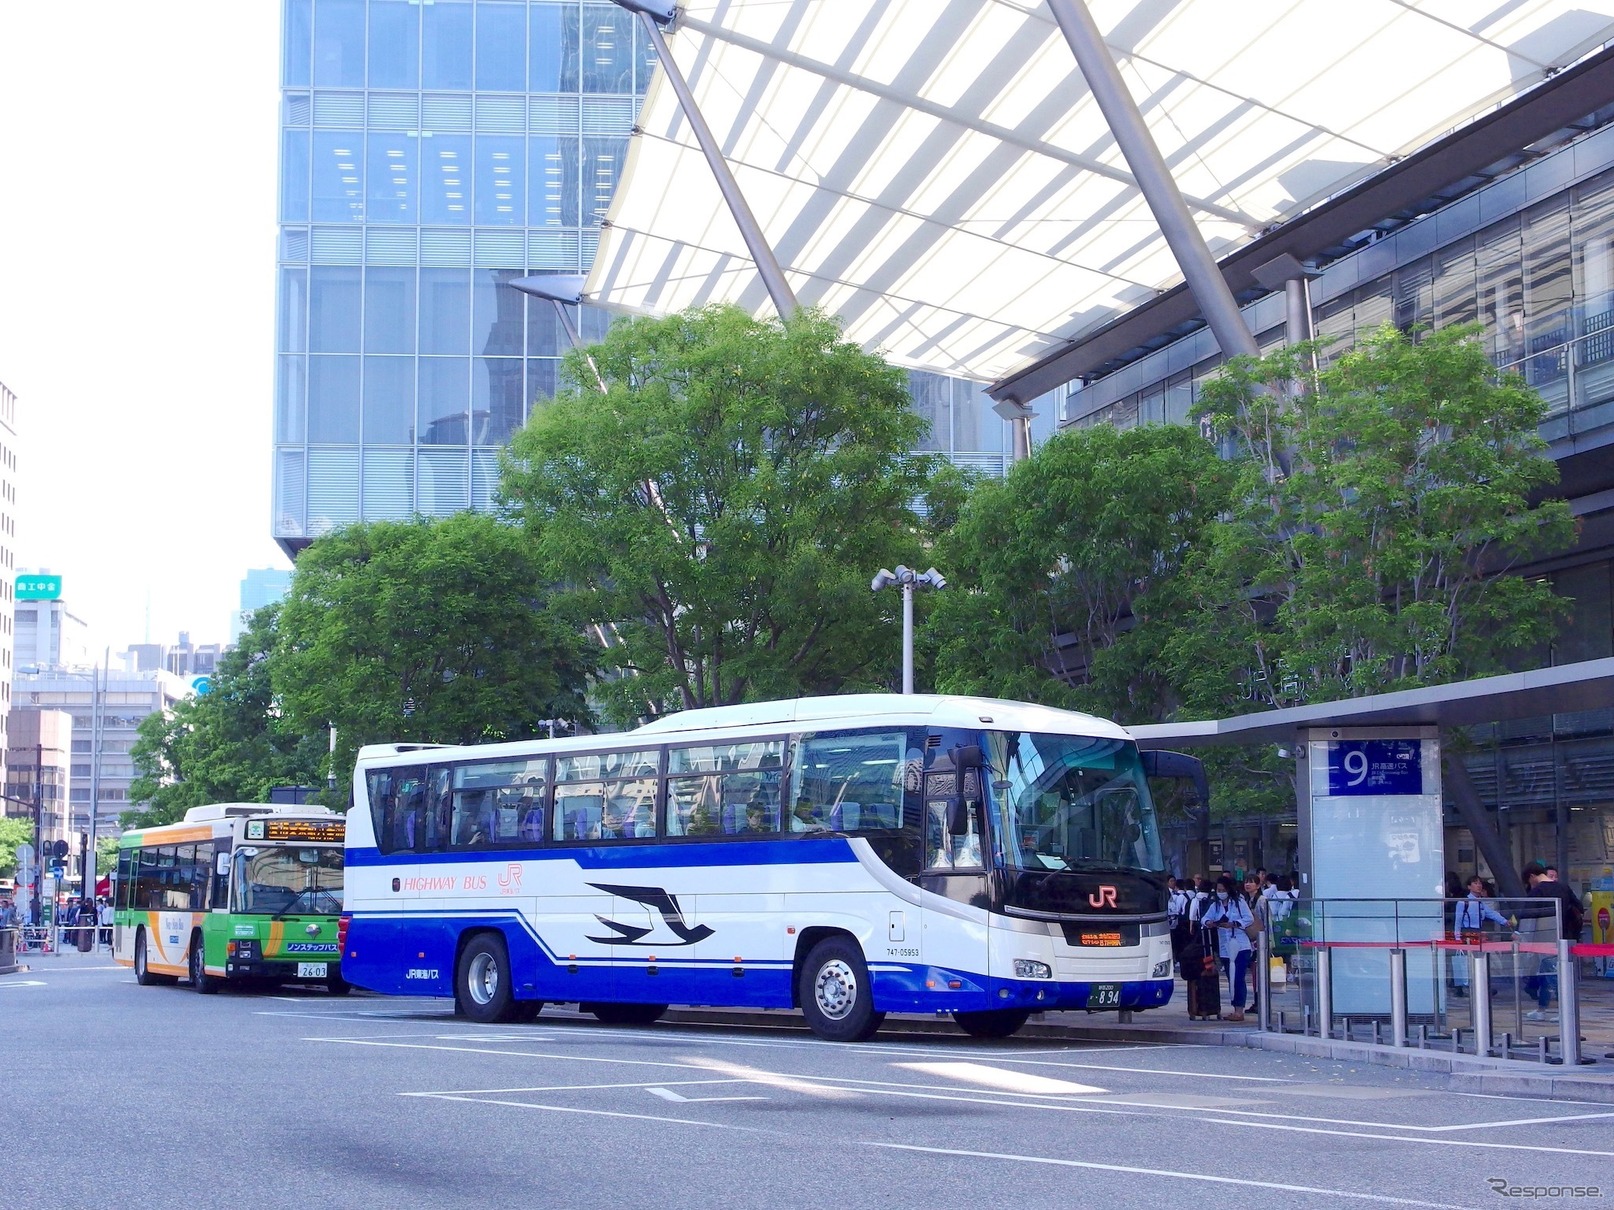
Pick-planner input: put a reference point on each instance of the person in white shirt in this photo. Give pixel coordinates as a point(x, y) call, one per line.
point(1229, 918)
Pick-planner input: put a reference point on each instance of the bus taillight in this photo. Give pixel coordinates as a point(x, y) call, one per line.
point(342, 922)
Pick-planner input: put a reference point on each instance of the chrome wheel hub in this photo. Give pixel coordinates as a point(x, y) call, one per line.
point(835, 989)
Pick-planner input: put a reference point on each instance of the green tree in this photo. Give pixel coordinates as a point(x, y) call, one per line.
point(1057, 566)
point(721, 504)
point(13, 832)
point(231, 744)
point(1380, 506)
point(425, 630)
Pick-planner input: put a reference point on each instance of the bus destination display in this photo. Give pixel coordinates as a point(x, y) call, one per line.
point(305, 829)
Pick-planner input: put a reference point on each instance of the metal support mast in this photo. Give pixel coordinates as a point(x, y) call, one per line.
point(1148, 167)
point(655, 14)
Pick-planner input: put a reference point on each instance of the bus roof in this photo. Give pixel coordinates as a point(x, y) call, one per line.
point(196, 818)
point(764, 718)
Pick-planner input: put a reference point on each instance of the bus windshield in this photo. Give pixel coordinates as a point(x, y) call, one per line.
point(293, 879)
point(1069, 802)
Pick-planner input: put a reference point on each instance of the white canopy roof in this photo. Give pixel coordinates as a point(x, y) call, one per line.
point(936, 173)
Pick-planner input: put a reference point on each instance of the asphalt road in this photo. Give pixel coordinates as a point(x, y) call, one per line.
point(120, 1095)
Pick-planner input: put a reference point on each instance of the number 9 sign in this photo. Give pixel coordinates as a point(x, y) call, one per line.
point(1375, 766)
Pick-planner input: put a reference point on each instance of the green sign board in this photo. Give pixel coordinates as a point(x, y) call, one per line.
point(38, 588)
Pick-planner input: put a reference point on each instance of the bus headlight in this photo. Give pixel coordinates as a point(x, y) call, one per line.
point(1162, 969)
point(1027, 968)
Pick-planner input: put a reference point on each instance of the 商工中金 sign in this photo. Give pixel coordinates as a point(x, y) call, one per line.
point(31, 587)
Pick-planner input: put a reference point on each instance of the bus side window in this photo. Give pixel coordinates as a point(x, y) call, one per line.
point(221, 875)
point(202, 876)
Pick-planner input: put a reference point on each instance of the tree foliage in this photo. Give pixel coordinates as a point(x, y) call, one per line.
point(719, 507)
point(425, 630)
point(14, 831)
point(231, 744)
point(1058, 566)
point(1379, 506)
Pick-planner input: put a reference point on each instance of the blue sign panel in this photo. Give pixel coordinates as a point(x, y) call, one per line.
point(1375, 766)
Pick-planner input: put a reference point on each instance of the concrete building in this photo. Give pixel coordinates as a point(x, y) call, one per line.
point(103, 731)
point(48, 634)
point(38, 760)
point(183, 659)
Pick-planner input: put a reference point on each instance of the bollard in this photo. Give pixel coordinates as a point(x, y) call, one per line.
point(1398, 998)
point(1481, 1002)
point(1325, 994)
point(1377, 1041)
point(1423, 1036)
point(1263, 976)
point(1283, 1022)
point(1456, 1040)
point(1568, 1006)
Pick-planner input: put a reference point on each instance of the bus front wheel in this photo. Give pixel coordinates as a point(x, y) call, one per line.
point(203, 982)
point(482, 984)
point(143, 972)
point(994, 1023)
point(835, 994)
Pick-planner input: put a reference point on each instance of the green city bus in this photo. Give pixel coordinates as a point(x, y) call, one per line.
point(234, 892)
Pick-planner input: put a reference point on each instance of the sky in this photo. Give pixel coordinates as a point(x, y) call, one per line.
point(138, 167)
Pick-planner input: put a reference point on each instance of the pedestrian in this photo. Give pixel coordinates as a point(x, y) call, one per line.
point(1230, 921)
point(1558, 906)
point(1469, 923)
point(1177, 904)
point(103, 916)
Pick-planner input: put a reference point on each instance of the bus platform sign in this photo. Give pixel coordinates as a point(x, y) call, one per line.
point(31, 586)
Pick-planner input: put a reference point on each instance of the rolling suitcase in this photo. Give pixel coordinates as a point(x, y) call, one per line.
point(1207, 994)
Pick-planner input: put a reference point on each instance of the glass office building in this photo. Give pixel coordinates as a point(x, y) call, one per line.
point(431, 152)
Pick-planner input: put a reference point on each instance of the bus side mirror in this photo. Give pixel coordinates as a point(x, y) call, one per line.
point(1181, 766)
point(221, 864)
point(968, 756)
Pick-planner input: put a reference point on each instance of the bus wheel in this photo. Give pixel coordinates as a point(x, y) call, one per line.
point(482, 984)
point(203, 982)
point(143, 973)
point(995, 1023)
point(337, 986)
point(835, 994)
point(627, 1014)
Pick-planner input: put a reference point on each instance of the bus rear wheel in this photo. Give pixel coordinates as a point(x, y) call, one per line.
point(482, 983)
point(201, 981)
point(836, 997)
point(627, 1014)
point(143, 972)
point(994, 1023)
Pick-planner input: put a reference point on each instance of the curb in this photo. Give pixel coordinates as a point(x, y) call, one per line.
point(1464, 1073)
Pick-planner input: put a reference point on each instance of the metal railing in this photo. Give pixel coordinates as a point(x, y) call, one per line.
point(1406, 973)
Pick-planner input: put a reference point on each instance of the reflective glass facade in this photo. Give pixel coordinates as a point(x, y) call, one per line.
point(430, 152)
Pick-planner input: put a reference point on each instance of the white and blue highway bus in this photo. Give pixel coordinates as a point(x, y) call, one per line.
point(849, 856)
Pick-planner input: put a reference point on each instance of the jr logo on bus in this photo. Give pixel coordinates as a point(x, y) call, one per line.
point(1103, 897)
point(666, 905)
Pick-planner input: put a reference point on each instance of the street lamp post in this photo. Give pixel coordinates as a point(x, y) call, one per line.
point(907, 579)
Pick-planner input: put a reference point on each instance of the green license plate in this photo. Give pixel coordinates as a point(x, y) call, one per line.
point(1104, 995)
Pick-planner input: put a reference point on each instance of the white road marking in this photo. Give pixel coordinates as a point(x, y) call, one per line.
point(999, 1079)
point(667, 1094)
point(22, 983)
point(594, 1113)
point(1167, 1172)
point(1402, 1138)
